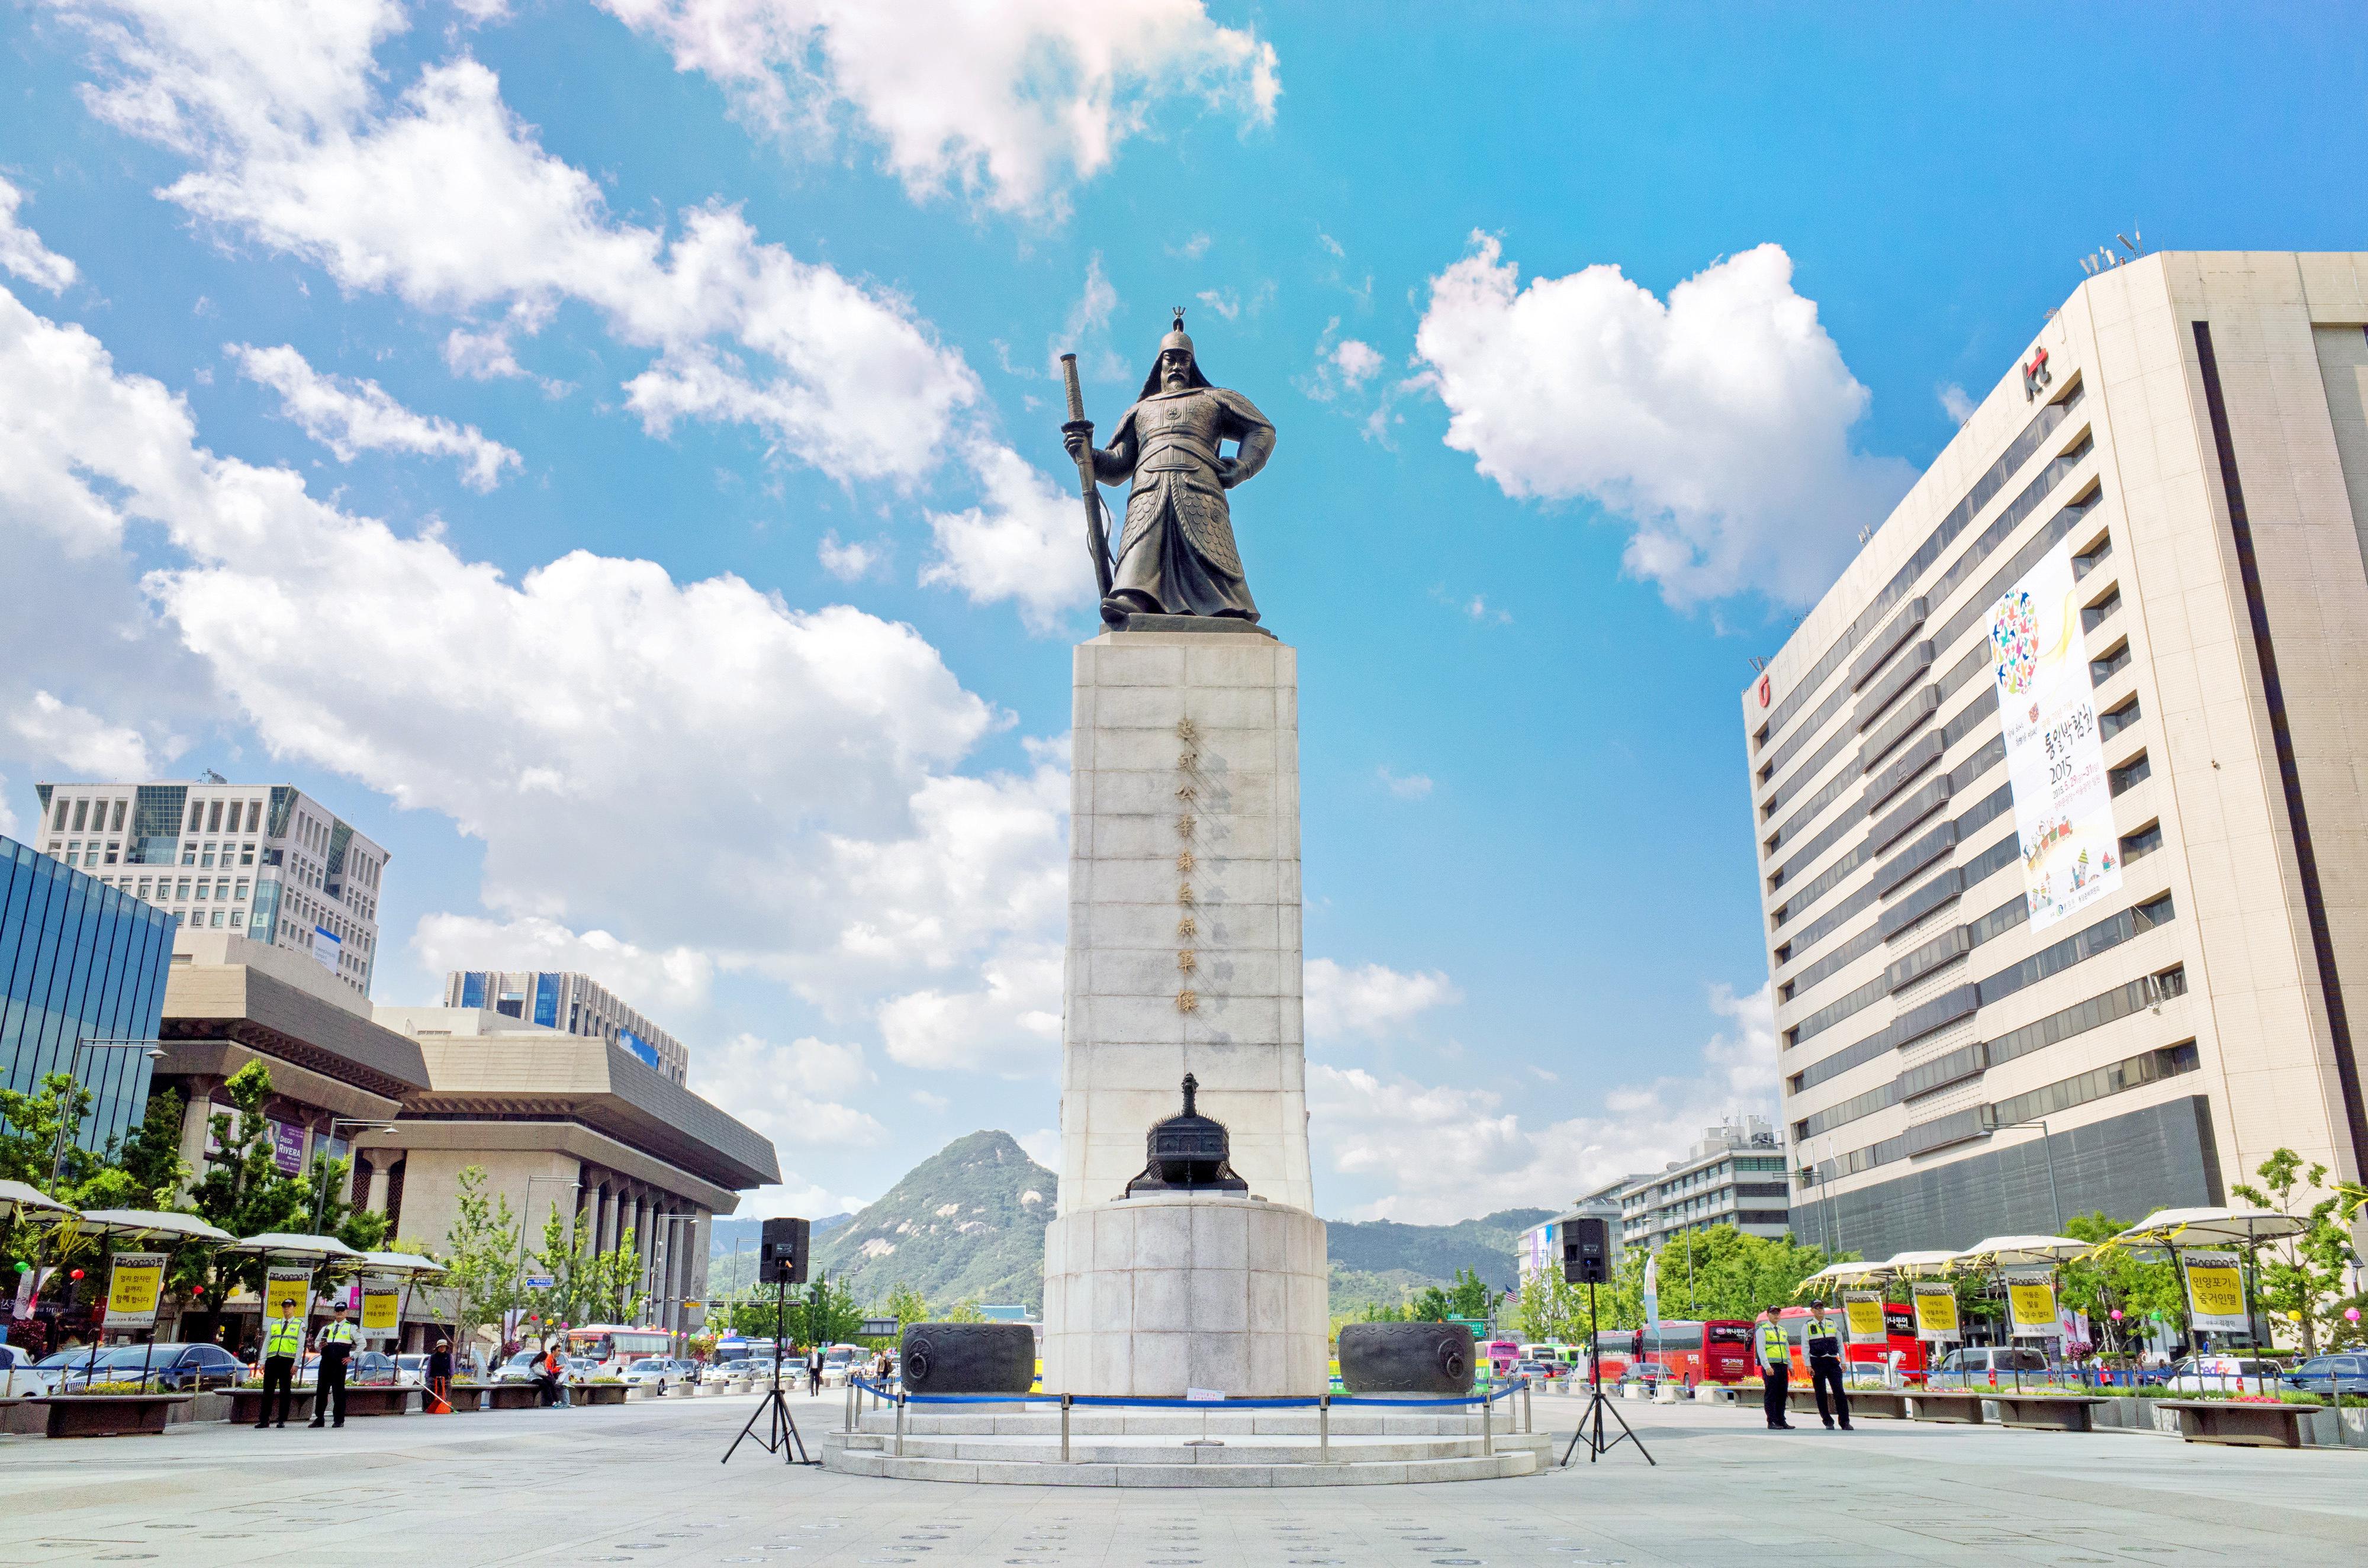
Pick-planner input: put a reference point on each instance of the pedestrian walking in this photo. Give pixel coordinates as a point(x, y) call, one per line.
point(283, 1342)
point(1825, 1369)
point(1775, 1352)
point(440, 1378)
point(813, 1371)
point(335, 1342)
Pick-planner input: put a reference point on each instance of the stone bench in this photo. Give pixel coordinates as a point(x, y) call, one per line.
point(2048, 1412)
point(378, 1399)
point(1891, 1403)
point(1961, 1407)
point(2265, 1425)
point(247, 1404)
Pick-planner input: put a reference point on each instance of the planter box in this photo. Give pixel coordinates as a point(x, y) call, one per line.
point(110, 1414)
point(642, 1391)
point(1890, 1402)
point(1962, 1408)
point(380, 1399)
point(599, 1393)
point(247, 1405)
point(467, 1398)
point(2233, 1421)
point(2049, 1412)
point(512, 1396)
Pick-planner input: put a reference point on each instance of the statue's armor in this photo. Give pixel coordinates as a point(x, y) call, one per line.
point(1176, 465)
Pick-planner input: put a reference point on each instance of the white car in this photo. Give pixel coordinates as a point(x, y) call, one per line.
point(21, 1378)
point(2225, 1374)
point(410, 1372)
point(652, 1371)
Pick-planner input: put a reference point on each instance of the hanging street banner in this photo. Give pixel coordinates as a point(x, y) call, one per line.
point(2055, 757)
point(382, 1310)
point(2031, 1302)
point(1862, 1317)
point(2215, 1292)
point(1936, 1313)
point(285, 1284)
point(133, 1288)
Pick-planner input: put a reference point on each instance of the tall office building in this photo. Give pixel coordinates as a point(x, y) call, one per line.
point(266, 861)
point(79, 962)
point(2124, 978)
point(1733, 1175)
point(573, 1004)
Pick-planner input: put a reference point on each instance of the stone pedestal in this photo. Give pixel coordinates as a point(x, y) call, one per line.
point(1184, 958)
point(1166, 1291)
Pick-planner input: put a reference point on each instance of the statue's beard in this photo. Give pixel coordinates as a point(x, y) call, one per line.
point(1173, 380)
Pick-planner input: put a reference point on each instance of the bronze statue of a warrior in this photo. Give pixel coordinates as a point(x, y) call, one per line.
point(1177, 555)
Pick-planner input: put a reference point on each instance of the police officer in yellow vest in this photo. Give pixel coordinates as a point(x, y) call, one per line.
point(335, 1342)
point(283, 1342)
point(1774, 1348)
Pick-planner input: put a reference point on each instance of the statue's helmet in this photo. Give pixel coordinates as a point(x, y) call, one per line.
point(1176, 338)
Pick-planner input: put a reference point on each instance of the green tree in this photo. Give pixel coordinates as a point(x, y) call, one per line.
point(2300, 1278)
point(964, 1310)
point(29, 1136)
point(480, 1254)
point(1471, 1296)
point(906, 1306)
point(2141, 1287)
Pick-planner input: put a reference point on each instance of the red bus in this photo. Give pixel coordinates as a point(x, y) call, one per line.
point(1717, 1351)
point(1899, 1334)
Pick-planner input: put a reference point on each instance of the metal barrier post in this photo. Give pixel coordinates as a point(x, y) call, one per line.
point(851, 1406)
point(1324, 1427)
point(1488, 1425)
point(1529, 1411)
point(900, 1426)
point(1064, 1428)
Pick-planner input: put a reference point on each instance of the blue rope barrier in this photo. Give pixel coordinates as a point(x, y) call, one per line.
point(1290, 1402)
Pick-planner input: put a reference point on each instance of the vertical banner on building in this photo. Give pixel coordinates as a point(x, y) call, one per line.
point(288, 1147)
point(287, 1285)
point(133, 1287)
point(2215, 1292)
point(1936, 1314)
point(1862, 1316)
point(382, 1310)
point(2055, 757)
point(2031, 1304)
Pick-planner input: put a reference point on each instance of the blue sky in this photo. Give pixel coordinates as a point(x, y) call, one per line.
point(354, 354)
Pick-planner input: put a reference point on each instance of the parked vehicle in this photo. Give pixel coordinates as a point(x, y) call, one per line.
point(1971, 1364)
point(172, 1367)
point(2323, 1374)
point(1543, 1373)
point(614, 1345)
point(410, 1372)
point(2225, 1374)
point(22, 1377)
point(650, 1372)
point(524, 1366)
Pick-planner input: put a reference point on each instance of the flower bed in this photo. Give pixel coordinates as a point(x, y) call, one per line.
point(106, 1411)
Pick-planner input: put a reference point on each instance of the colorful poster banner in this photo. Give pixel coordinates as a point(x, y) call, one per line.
point(288, 1147)
point(282, 1284)
point(1862, 1317)
point(1936, 1313)
point(133, 1288)
point(2031, 1304)
point(2215, 1292)
point(382, 1310)
point(2054, 760)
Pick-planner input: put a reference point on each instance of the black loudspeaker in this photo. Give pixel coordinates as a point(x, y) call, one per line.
point(1586, 1252)
point(782, 1253)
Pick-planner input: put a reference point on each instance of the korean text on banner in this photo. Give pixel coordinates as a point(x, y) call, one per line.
point(2030, 1302)
point(2216, 1291)
point(132, 1290)
point(382, 1310)
point(2055, 757)
point(1936, 1313)
point(284, 1284)
point(1862, 1314)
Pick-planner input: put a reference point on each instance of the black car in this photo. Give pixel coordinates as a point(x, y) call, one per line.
point(2321, 1373)
point(181, 1369)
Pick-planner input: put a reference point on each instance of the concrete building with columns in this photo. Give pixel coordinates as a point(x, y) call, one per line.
point(2192, 427)
point(565, 1122)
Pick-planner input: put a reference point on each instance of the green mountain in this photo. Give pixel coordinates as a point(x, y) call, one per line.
point(1382, 1262)
point(967, 1223)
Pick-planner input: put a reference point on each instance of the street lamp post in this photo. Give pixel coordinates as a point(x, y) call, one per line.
point(2047, 1148)
point(527, 1216)
point(320, 1195)
point(69, 1122)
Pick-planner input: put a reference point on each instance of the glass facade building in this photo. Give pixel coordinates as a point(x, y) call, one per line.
point(79, 959)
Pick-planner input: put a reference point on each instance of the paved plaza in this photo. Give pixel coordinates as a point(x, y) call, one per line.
point(642, 1484)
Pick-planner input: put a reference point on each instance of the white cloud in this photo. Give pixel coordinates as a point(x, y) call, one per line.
point(86, 743)
point(664, 981)
point(447, 200)
point(350, 417)
point(1362, 1125)
point(1357, 362)
point(848, 563)
point(1343, 365)
point(1406, 787)
point(1717, 421)
point(1955, 401)
point(768, 790)
point(1008, 103)
point(793, 1094)
point(1371, 999)
point(21, 250)
point(1224, 304)
point(1011, 1026)
point(7, 813)
point(1192, 249)
point(1024, 543)
point(928, 1101)
point(1044, 1146)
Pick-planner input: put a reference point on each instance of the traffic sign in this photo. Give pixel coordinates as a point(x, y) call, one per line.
point(538, 1281)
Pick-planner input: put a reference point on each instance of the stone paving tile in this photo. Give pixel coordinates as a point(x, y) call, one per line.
point(641, 1484)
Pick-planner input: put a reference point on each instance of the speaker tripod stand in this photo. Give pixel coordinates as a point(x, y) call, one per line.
point(1597, 1405)
point(781, 1426)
